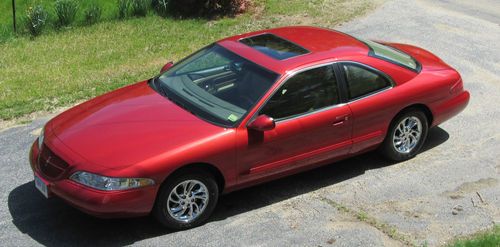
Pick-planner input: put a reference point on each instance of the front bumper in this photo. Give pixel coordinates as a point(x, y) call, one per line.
point(104, 204)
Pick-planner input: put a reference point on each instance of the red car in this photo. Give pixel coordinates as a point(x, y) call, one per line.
point(244, 110)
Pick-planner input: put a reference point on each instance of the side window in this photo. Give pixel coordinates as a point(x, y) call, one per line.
point(305, 92)
point(361, 81)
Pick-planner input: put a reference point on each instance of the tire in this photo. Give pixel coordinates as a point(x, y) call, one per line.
point(166, 209)
point(394, 146)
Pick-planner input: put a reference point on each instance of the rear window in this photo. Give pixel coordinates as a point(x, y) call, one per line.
point(392, 55)
point(274, 46)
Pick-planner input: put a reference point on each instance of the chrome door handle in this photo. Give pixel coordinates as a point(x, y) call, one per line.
point(340, 120)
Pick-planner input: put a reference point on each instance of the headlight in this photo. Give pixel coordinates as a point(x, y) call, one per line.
point(40, 138)
point(107, 183)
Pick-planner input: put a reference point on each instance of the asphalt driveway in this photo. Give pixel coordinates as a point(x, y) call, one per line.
point(451, 189)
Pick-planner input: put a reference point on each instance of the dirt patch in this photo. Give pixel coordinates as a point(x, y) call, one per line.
point(7, 124)
point(362, 217)
point(360, 227)
point(471, 187)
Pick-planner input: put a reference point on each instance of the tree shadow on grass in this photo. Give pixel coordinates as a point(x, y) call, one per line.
point(54, 223)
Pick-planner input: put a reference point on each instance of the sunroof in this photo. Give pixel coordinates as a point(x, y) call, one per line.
point(274, 46)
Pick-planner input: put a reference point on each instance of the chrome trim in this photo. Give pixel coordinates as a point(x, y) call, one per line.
point(310, 113)
point(369, 94)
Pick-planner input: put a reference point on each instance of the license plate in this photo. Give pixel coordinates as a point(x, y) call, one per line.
point(41, 186)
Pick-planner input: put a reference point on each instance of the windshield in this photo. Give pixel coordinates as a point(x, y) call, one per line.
point(217, 85)
point(392, 55)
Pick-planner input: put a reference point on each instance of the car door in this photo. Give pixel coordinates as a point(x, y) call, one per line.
point(311, 124)
point(366, 92)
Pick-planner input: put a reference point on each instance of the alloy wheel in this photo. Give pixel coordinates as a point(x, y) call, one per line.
point(407, 134)
point(187, 201)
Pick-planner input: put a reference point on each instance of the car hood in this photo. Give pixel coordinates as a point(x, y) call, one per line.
point(128, 126)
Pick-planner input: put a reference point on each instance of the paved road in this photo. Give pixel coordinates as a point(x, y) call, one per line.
point(484, 9)
point(451, 189)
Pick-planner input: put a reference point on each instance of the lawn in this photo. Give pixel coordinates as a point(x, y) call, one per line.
point(62, 67)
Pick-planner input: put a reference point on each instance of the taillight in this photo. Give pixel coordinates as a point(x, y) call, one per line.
point(457, 87)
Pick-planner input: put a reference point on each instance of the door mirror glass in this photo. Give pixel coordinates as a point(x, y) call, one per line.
point(167, 66)
point(262, 123)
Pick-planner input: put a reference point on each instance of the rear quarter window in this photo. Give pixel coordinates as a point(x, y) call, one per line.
point(362, 81)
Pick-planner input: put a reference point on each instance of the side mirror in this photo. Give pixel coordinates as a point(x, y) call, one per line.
point(167, 66)
point(262, 123)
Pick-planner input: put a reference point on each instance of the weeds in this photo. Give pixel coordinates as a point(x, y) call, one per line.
point(66, 12)
point(161, 7)
point(92, 14)
point(123, 6)
point(139, 8)
point(35, 20)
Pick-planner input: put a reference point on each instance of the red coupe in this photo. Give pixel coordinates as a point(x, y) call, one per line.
point(244, 110)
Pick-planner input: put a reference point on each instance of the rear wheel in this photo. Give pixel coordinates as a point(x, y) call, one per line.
point(406, 136)
point(186, 201)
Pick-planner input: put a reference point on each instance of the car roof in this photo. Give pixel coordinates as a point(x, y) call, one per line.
point(321, 43)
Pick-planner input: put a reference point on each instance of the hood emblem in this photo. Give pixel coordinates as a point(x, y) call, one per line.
point(47, 162)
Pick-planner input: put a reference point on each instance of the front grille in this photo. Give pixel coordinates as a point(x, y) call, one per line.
point(50, 165)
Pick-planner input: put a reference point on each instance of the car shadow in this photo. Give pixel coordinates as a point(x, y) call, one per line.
point(54, 223)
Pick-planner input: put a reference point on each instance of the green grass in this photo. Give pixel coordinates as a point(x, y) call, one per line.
point(62, 67)
point(489, 238)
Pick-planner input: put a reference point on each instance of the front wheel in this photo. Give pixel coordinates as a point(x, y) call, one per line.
point(406, 136)
point(186, 201)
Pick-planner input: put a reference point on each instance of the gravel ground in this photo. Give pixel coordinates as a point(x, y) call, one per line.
point(451, 189)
